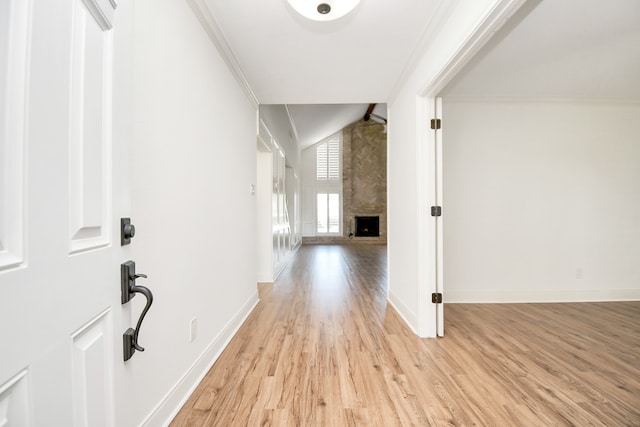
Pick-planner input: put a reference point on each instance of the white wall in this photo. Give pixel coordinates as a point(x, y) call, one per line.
point(407, 184)
point(264, 200)
point(294, 197)
point(277, 121)
point(308, 181)
point(194, 159)
point(542, 201)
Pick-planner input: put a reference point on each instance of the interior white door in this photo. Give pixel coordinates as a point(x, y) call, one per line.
point(439, 250)
point(63, 189)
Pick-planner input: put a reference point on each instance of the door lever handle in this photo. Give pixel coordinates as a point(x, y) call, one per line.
point(129, 289)
point(132, 334)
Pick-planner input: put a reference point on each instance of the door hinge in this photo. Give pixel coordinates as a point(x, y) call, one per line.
point(436, 123)
point(436, 298)
point(436, 210)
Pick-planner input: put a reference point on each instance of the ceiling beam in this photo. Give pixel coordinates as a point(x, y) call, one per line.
point(367, 115)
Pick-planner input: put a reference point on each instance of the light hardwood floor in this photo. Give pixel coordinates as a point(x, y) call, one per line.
point(323, 348)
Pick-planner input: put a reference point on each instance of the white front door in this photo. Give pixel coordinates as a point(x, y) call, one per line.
point(64, 133)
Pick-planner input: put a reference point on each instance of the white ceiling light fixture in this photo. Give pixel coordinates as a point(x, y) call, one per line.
point(323, 10)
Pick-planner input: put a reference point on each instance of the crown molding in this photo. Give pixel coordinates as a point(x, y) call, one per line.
point(438, 19)
point(487, 26)
point(208, 22)
point(484, 29)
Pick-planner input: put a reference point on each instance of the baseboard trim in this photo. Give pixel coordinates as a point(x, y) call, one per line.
point(173, 401)
point(404, 312)
point(498, 297)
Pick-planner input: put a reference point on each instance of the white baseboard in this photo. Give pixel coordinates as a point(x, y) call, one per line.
point(405, 312)
point(173, 401)
point(590, 295)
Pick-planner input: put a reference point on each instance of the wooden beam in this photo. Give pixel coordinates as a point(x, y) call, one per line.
point(367, 115)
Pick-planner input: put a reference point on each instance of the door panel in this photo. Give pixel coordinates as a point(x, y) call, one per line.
point(14, 400)
point(14, 27)
point(60, 313)
point(92, 373)
point(90, 128)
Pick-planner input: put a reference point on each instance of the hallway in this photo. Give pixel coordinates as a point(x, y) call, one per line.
point(323, 348)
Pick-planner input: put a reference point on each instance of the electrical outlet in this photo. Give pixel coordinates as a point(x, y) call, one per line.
point(579, 273)
point(192, 329)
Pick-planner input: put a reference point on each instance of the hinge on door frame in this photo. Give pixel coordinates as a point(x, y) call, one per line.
point(436, 298)
point(436, 124)
point(436, 210)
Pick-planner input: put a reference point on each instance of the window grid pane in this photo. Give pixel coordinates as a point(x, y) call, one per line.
point(322, 213)
point(334, 213)
point(333, 159)
point(321, 162)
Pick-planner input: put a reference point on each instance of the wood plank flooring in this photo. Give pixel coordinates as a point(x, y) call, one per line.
point(323, 348)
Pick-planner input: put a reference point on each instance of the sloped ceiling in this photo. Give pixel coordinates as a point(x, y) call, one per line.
point(566, 49)
point(315, 122)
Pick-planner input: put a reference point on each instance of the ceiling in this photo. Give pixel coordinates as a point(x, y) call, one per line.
point(563, 49)
point(314, 122)
point(569, 49)
point(288, 59)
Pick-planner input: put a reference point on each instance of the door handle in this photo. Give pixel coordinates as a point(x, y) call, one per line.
point(129, 288)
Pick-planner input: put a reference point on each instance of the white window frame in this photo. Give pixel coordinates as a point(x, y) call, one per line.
point(329, 182)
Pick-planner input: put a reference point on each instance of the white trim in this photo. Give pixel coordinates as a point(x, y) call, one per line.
point(476, 39)
point(437, 150)
point(426, 313)
point(177, 396)
point(204, 15)
point(503, 297)
point(425, 103)
point(403, 311)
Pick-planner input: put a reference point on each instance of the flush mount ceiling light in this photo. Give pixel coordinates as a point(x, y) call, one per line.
point(323, 10)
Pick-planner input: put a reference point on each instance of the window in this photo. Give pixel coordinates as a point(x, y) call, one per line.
point(328, 186)
point(328, 160)
point(322, 188)
point(328, 205)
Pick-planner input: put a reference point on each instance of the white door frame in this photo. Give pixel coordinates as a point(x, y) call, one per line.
point(430, 245)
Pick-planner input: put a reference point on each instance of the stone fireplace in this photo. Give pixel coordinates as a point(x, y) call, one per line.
point(364, 184)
